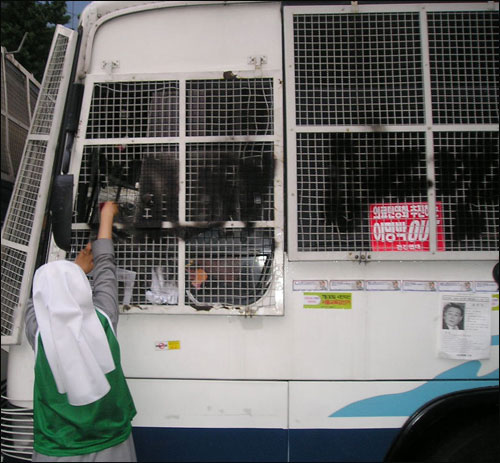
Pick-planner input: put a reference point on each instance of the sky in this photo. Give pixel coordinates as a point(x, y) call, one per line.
point(74, 9)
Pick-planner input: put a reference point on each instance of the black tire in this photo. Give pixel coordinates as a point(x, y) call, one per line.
point(477, 442)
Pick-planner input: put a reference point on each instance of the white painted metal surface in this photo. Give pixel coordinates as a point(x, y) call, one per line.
point(291, 371)
point(210, 404)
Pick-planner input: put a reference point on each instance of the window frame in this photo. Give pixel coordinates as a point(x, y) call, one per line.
point(182, 141)
point(428, 128)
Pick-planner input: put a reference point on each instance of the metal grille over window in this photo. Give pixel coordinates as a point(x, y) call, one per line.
point(230, 181)
point(134, 109)
point(229, 267)
point(464, 67)
point(42, 122)
point(12, 275)
point(19, 94)
point(392, 131)
point(141, 260)
point(16, 93)
point(340, 175)
point(19, 222)
point(198, 220)
point(142, 178)
point(467, 184)
point(26, 214)
point(358, 69)
point(229, 107)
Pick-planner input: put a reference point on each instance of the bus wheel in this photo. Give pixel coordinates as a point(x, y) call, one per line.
point(477, 441)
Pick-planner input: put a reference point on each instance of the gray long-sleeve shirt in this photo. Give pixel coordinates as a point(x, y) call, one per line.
point(105, 292)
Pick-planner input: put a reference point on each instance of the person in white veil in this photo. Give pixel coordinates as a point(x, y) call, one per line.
point(82, 405)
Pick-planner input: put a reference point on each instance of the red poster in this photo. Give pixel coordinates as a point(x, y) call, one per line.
point(403, 227)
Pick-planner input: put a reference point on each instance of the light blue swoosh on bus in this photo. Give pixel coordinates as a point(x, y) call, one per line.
point(406, 403)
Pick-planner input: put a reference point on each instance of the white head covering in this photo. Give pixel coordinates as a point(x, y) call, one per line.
point(73, 338)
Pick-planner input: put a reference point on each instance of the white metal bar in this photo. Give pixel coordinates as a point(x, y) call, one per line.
point(359, 128)
point(383, 8)
point(279, 198)
point(186, 139)
point(16, 121)
point(395, 128)
point(37, 137)
point(291, 135)
point(429, 141)
point(12, 244)
point(464, 127)
point(10, 167)
point(395, 256)
point(187, 223)
point(182, 150)
point(169, 76)
point(181, 246)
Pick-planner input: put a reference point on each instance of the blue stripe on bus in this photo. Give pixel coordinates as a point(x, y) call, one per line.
point(261, 445)
point(406, 403)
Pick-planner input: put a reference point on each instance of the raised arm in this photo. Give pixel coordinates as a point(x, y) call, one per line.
point(105, 295)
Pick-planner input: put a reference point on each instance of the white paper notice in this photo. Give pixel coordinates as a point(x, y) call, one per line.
point(419, 285)
point(346, 285)
point(310, 285)
point(455, 286)
point(486, 287)
point(465, 331)
point(383, 285)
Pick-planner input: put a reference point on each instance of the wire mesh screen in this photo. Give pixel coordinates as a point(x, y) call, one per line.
point(467, 179)
point(19, 222)
point(222, 181)
point(142, 178)
point(13, 262)
point(17, 139)
point(340, 175)
point(34, 91)
point(2, 83)
point(230, 181)
point(229, 107)
point(134, 109)
point(5, 165)
point(230, 268)
point(362, 69)
point(17, 99)
point(153, 257)
point(19, 95)
point(464, 67)
point(42, 121)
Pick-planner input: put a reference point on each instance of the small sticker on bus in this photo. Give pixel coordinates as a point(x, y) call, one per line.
point(327, 301)
point(167, 345)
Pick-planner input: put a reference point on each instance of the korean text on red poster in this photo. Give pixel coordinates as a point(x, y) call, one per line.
point(404, 227)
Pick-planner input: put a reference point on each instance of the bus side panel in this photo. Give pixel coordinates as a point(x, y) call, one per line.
point(385, 335)
point(227, 420)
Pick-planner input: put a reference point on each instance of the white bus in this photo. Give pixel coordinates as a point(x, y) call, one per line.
point(304, 190)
